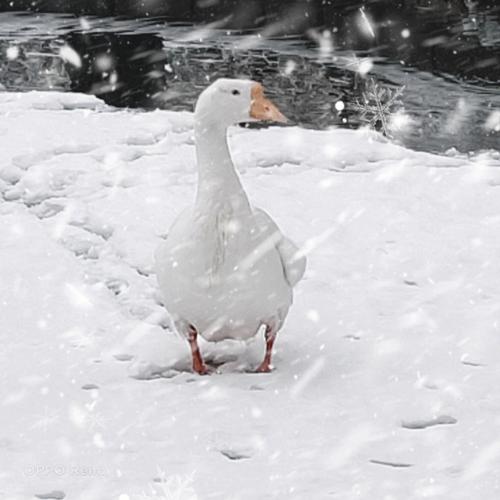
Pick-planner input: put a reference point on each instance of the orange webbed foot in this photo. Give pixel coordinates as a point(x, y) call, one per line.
point(201, 370)
point(264, 368)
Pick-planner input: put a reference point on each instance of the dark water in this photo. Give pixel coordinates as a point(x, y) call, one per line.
point(449, 69)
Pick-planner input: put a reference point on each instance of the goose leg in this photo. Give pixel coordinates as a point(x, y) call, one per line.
point(270, 335)
point(198, 364)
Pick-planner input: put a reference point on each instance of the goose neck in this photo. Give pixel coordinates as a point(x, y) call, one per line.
point(217, 177)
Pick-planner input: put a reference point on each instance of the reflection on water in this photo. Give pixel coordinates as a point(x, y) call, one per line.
point(32, 66)
point(150, 64)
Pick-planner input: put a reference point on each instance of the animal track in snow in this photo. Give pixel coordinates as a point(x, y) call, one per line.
point(234, 454)
point(47, 209)
point(117, 285)
point(465, 360)
point(255, 387)
point(423, 424)
point(81, 245)
point(410, 283)
point(119, 155)
point(352, 336)
point(89, 387)
point(471, 363)
point(149, 371)
point(387, 463)
point(144, 138)
point(11, 174)
point(52, 495)
point(123, 357)
point(143, 272)
point(26, 161)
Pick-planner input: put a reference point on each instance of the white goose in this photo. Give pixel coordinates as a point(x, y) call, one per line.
point(225, 269)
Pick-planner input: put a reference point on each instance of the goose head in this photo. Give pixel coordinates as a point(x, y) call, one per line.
point(229, 102)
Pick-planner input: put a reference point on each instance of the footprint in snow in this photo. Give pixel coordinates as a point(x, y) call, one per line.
point(123, 357)
point(13, 194)
point(387, 463)
point(471, 363)
point(143, 370)
point(468, 362)
point(11, 174)
point(53, 495)
point(89, 387)
point(143, 271)
point(66, 149)
point(93, 226)
point(234, 454)
point(117, 285)
point(216, 360)
point(98, 228)
point(141, 139)
point(423, 424)
point(118, 155)
point(26, 161)
point(47, 209)
point(81, 245)
point(352, 336)
point(410, 283)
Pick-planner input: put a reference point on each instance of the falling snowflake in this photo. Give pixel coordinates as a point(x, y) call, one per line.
point(96, 420)
point(174, 487)
point(377, 106)
point(365, 23)
point(12, 52)
point(324, 40)
point(70, 55)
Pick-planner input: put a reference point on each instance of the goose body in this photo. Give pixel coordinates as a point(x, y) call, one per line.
point(225, 269)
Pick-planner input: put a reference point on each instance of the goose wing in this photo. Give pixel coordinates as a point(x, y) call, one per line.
point(294, 264)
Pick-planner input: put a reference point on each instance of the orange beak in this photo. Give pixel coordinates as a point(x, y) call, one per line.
point(263, 109)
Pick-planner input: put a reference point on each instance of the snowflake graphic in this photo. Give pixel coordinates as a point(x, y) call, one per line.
point(377, 106)
point(93, 418)
point(96, 420)
point(46, 419)
point(174, 487)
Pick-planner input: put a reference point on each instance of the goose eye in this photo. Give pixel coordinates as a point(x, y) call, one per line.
point(235, 92)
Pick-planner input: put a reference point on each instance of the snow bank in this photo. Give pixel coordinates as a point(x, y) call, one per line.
point(387, 368)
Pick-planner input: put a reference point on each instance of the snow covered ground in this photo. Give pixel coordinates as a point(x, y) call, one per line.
point(388, 368)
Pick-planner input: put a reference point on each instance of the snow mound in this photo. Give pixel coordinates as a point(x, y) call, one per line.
point(387, 368)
